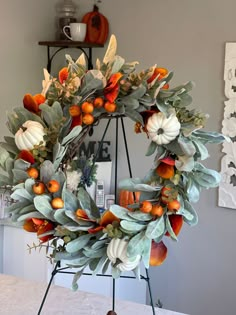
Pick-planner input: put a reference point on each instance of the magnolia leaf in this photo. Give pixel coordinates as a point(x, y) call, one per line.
point(174, 147)
point(205, 177)
point(46, 171)
point(189, 208)
point(155, 228)
point(202, 152)
point(61, 217)
point(120, 212)
point(146, 252)
point(19, 175)
point(135, 184)
point(130, 103)
point(192, 188)
point(33, 214)
point(72, 135)
point(136, 244)
point(70, 200)
point(21, 164)
point(185, 163)
point(92, 80)
point(169, 228)
point(139, 216)
point(61, 179)
point(74, 227)
point(21, 195)
point(111, 50)
point(151, 148)
point(11, 148)
point(186, 146)
point(43, 205)
point(134, 115)
point(100, 263)
point(50, 114)
point(17, 206)
point(209, 137)
point(132, 226)
point(115, 272)
point(87, 204)
point(58, 153)
point(4, 155)
point(117, 64)
point(28, 209)
point(76, 277)
point(28, 185)
point(88, 252)
point(78, 243)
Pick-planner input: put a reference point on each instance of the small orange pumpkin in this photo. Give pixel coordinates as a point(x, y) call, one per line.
point(128, 198)
point(97, 27)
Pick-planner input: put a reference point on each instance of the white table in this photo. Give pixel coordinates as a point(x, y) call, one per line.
point(23, 297)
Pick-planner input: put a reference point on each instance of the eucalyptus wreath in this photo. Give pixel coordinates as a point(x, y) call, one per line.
point(41, 162)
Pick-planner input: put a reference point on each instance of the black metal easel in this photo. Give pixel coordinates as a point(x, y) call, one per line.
point(58, 269)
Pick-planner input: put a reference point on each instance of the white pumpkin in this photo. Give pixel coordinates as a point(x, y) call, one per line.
point(117, 249)
point(162, 129)
point(30, 134)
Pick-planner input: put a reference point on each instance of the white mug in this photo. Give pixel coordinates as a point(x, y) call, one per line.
point(77, 31)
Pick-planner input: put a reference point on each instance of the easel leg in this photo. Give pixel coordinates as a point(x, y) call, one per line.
point(150, 292)
point(54, 272)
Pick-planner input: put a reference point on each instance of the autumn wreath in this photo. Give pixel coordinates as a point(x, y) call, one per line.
point(49, 179)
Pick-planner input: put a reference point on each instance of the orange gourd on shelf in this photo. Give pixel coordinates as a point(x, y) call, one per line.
point(127, 198)
point(97, 27)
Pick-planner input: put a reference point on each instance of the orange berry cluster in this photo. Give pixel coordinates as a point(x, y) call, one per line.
point(40, 188)
point(158, 209)
point(86, 109)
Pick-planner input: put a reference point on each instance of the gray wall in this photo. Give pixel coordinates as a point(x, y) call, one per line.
point(187, 37)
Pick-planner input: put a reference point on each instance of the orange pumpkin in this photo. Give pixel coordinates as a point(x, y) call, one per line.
point(97, 27)
point(128, 198)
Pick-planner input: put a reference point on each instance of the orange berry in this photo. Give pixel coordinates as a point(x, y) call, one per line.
point(98, 102)
point(57, 203)
point(39, 188)
point(165, 171)
point(53, 186)
point(33, 172)
point(173, 205)
point(87, 107)
point(88, 119)
point(110, 107)
point(157, 210)
point(146, 206)
point(74, 110)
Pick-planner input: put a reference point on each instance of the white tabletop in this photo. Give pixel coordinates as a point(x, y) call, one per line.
point(23, 297)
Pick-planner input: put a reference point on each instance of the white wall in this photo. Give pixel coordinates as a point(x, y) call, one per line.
point(187, 37)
